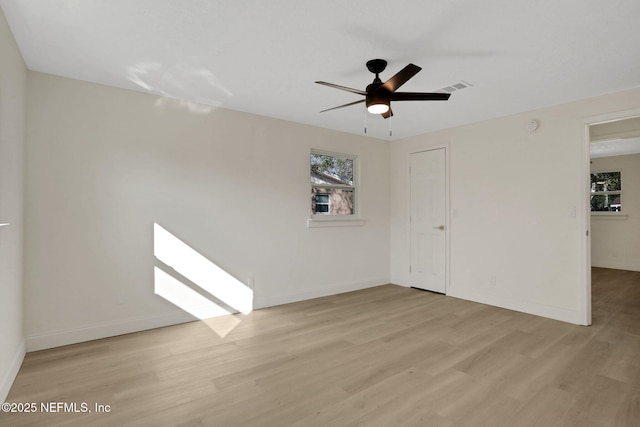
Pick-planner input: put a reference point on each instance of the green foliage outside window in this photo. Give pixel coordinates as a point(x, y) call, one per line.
point(606, 192)
point(339, 167)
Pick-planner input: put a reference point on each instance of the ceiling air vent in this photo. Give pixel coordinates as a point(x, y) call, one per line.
point(455, 86)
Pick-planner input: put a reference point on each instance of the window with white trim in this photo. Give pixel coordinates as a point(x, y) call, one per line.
point(606, 192)
point(333, 184)
point(323, 203)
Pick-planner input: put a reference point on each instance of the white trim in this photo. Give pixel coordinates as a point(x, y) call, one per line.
point(62, 337)
point(355, 187)
point(609, 192)
point(608, 215)
point(585, 240)
point(12, 372)
point(556, 313)
point(612, 117)
point(331, 222)
point(289, 297)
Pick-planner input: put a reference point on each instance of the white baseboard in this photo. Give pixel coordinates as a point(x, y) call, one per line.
point(10, 376)
point(615, 265)
point(104, 330)
point(289, 297)
point(59, 338)
point(556, 313)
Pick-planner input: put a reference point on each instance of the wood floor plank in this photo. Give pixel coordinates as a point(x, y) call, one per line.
point(384, 356)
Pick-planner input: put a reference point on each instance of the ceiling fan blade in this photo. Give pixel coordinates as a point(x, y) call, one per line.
point(401, 77)
point(348, 89)
point(387, 114)
point(419, 96)
point(345, 105)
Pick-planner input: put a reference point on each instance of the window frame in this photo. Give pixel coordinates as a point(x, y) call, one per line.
point(608, 193)
point(328, 203)
point(337, 220)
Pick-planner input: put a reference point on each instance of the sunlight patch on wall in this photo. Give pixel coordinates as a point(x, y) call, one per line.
point(173, 290)
point(221, 292)
point(198, 269)
point(215, 317)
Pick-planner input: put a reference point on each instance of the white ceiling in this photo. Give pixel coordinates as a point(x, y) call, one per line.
point(263, 57)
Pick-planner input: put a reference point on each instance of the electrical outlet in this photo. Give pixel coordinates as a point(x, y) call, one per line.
point(492, 282)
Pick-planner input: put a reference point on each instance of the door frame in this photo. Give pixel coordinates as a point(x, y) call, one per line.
point(447, 220)
point(585, 298)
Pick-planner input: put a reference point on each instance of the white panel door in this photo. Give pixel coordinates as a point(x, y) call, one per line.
point(428, 221)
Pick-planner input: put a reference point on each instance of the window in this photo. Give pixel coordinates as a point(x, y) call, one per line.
point(606, 192)
point(333, 186)
point(322, 203)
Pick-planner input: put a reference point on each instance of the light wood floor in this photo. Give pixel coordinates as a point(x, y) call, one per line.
point(387, 356)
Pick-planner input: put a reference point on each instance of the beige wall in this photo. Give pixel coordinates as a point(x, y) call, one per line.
point(616, 239)
point(13, 81)
point(105, 165)
point(518, 208)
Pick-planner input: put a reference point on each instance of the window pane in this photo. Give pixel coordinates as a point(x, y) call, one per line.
point(606, 181)
point(606, 203)
point(338, 201)
point(322, 198)
point(332, 170)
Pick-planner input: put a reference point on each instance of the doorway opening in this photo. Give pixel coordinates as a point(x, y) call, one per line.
point(612, 175)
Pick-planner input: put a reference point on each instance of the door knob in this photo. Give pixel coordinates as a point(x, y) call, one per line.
point(440, 227)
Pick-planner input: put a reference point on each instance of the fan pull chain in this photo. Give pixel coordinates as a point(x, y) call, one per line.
point(365, 121)
point(390, 131)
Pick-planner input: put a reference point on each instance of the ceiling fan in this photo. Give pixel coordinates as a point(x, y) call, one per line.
point(378, 95)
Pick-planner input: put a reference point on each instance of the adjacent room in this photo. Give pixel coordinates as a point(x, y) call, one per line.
point(286, 213)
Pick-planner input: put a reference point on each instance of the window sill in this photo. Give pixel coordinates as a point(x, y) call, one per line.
point(331, 222)
point(608, 215)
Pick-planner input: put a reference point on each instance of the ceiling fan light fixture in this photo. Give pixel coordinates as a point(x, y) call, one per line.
point(377, 104)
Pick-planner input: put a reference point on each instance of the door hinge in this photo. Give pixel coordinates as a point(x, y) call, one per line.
point(587, 233)
point(409, 269)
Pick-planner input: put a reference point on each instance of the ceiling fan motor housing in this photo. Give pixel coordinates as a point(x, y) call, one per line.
point(376, 94)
